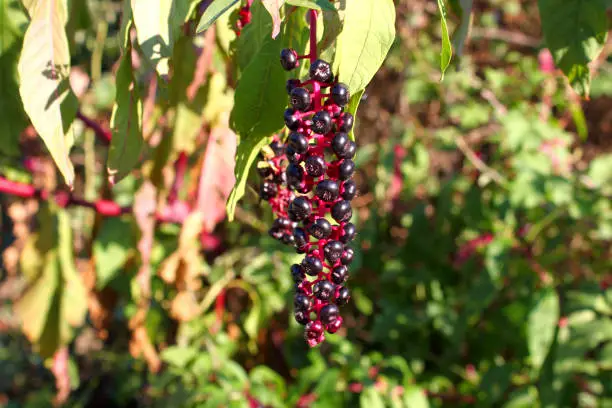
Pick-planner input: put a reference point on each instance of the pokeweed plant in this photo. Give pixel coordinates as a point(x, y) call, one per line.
point(184, 97)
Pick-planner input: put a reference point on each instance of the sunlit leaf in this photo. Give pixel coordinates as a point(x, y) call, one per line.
point(273, 7)
point(313, 4)
point(447, 52)
point(213, 12)
point(542, 323)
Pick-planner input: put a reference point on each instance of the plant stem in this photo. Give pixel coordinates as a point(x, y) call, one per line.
point(103, 134)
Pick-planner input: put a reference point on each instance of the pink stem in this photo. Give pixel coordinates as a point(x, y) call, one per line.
point(103, 134)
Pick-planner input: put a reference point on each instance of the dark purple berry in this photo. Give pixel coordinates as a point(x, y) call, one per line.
point(349, 190)
point(329, 313)
point(297, 273)
point(315, 326)
point(312, 265)
point(323, 290)
point(334, 326)
point(346, 169)
point(300, 99)
point(346, 122)
point(327, 190)
point(342, 211)
point(301, 302)
point(347, 256)
point(321, 123)
point(301, 317)
point(340, 94)
point(300, 209)
point(300, 237)
point(333, 251)
point(295, 174)
point(315, 166)
point(291, 119)
point(320, 228)
point(264, 169)
point(351, 149)
point(348, 233)
point(282, 222)
point(297, 142)
point(288, 239)
point(343, 296)
point(339, 274)
point(288, 59)
point(292, 84)
point(339, 144)
point(267, 190)
point(320, 71)
point(276, 233)
point(277, 147)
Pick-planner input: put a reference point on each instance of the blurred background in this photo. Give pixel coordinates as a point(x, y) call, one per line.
point(482, 270)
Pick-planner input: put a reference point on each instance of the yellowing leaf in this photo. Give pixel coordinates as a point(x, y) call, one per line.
point(273, 7)
point(44, 67)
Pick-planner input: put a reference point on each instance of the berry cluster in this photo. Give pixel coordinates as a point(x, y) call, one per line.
point(244, 17)
point(320, 167)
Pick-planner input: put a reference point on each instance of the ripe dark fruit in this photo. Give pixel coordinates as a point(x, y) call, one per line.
point(320, 228)
point(282, 222)
point(300, 99)
point(329, 313)
point(346, 169)
point(342, 211)
point(300, 237)
point(315, 166)
point(346, 122)
point(321, 123)
point(297, 142)
point(343, 296)
point(301, 317)
point(340, 143)
point(323, 290)
point(295, 174)
point(333, 251)
point(291, 120)
point(276, 233)
point(348, 233)
point(340, 94)
point(327, 190)
point(288, 59)
point(297, 273)
point(334, 326)
point(301, 302)
point(347, 256)
point(339, 274)
point(300, 209)
point(349, 190)
point(351, 149)
point(321, 71)
point(268, 190)
point(312, 265)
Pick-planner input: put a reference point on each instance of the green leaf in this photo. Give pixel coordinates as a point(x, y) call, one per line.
point(126, 120)
point(213, 12)
point(575, 32)
point(313, 4)
point(157, 29)
point(365, 40)
point(371, 398)
point(260, 98)
point(253, 37)
point(352, 109)
point(12, 117)
point(541, 326)
point(464, 26)
point(246, 153)
point(44, 67)
point(179, 356)
point(415, 397)
point(447, 52)
point(112, 247)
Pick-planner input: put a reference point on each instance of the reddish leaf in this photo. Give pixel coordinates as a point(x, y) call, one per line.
point(144, 211)
point(62, 376)
point(273, 7)
point(217, 177)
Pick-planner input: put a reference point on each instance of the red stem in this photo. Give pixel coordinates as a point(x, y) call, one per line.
point(103, 134)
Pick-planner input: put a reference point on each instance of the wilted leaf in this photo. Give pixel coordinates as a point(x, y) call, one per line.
point(184, 306)
point(44, 66)
point(217, 176)
point(273, 7)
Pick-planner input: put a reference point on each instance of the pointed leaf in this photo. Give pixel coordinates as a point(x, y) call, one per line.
point(43, 68)
point(464, 26)
point(126, 121)
point(112, 247)
point(541, 326)
point(447, 51)
point(273, 7)
point(253, 37)
point(575, 32)
point(365, 40)
point(213, 12)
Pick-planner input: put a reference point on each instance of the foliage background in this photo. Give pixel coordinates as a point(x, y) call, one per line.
point(482, 270)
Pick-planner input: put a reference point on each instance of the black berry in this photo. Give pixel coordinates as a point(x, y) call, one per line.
point(327, 190)
point(342, 211)
point(348, 233)
point(339, 144)
point(320, 71)
point(349, 190)
point(347, 256)
point(300, 209)
point(292, 84)
point(321, 123)
point(340, 94)
point(297, 273)
point(343, 296)
point(300, 237)
point(267, 190)
point(315, 166)
point(297, 142)
point(323, 290)
point(320, 228)
point(300, 99)
point(346, 169)
point(301, 302)
point(288, 59)
point(291, 120)
point(312, 265)
point(346, 122)
point(333, 251)
point(339, 274)
point(301, 317)
point(329, 313)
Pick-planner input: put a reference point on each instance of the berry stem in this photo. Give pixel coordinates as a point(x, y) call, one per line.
point(316, 87)
point(103, 134)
